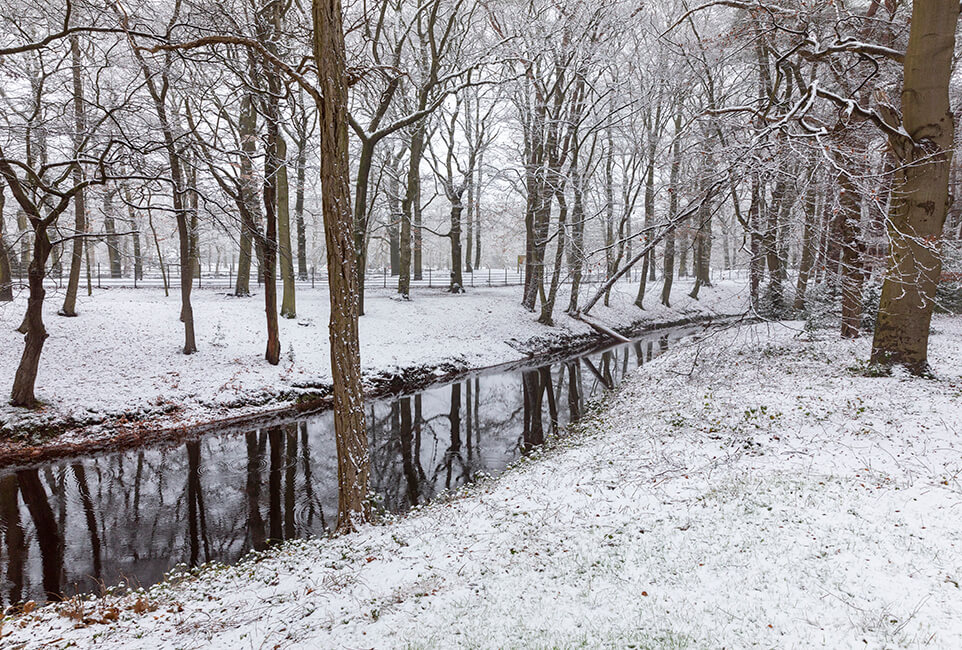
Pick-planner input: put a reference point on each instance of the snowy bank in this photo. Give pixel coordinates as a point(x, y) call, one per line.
point(118, 365)
point(755, 487)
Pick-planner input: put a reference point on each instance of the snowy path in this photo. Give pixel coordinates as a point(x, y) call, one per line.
point(750, 489)
point(121, 355)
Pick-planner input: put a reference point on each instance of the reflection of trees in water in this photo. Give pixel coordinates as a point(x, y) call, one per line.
point(132, 516)
point(13, 537)
point(48, 533)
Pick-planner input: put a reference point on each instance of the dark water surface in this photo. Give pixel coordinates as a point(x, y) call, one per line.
point(77, 525)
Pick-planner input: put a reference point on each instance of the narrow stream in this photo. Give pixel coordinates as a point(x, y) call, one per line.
point(78, 525)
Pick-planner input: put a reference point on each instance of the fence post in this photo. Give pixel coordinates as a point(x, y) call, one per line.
point(98, 275)
point(429, 277)
point(385, 277)
point(489, 276)
point(505, 277)
point(312, 277)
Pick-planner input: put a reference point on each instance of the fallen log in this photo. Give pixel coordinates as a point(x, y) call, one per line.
point(601, 329)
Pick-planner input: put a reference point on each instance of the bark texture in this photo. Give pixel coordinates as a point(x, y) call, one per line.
point(353, 465)
point(921, 198)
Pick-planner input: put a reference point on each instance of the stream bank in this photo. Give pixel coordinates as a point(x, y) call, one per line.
point(132, 396)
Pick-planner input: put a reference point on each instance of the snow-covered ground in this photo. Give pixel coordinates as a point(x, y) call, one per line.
point(121, 357)
point(754, 488)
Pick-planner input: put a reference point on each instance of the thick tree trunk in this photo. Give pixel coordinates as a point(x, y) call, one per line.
point(353, 465)
point(35, 333)
point(921, 198)
point(288, 306)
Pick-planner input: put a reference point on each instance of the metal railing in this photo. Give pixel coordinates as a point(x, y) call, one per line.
point(317, 278)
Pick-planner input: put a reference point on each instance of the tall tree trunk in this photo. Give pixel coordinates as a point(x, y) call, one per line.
point(647, 264)
point(6, 277)
point(69, 307)
point(918, 208)
point(288, 306)
point(477, 213)
point(301, 175)
point(410, 209)
point(850, 217)
point(417, 233)
point(757, 261)
point(771, 246)
point(808, 246)
point(669, 266)
point(576, 249)
point(395, 216)
point(457, 279)
point(193, 201)
point(114, 254)
point(23, 235)
point(364, 161)
point(268, 243)
point(179, 194)
point(247, 132)
point(702, 240)
point(611, 264)
point(469, 186)
point(547, 306)
point(135, 227)
point(353, 465)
